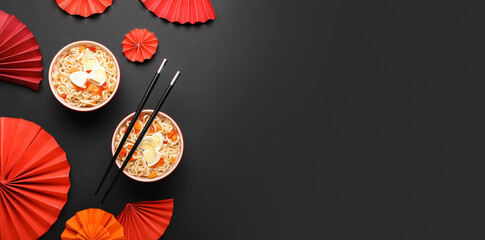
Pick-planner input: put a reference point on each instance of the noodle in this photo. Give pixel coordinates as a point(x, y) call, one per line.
point(170, 149)
point(72, 61)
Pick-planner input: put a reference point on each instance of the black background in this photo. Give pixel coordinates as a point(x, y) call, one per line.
point(302, 119)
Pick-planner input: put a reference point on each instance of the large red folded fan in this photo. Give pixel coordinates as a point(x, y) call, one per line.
point(20, 57)
point(139, 44)
point(84, 8)
point(93, 224)
point(34, 179)
point(182, 11)
point(146, 220)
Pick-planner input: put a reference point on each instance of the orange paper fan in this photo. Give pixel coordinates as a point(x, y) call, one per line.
point(146, 220)
point(93, 224)
point(182, 11)
point(20, 57)
point(84, 8)
point(139, 44)
point(34, 179)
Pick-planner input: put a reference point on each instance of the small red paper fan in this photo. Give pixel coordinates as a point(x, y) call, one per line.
point(84, 8)
point(93, 224)
point(20, 57)
point(181, 11)
point(34, 179)
point(146, 220)
point(139, 45)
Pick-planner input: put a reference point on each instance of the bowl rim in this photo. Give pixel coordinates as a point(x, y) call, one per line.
point(54, 60)
point(179, 158)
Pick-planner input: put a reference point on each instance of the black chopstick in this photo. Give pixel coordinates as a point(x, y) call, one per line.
point(130, 127)
point(142, 133)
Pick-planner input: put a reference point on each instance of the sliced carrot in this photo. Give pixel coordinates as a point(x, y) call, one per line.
point(92, 88)
point(138, 125)
point(112, 88)
point(63, 95)
point(123, 153)
point(78, 88)
point(88, 71)
point(152, 175)
point(81, 49)
point(173, 135)
point(171, 160)
point(151, 129)
point(160, 163)
point(74, 69)
point(93, 49)
point(132, 159)
point(170, 135)
point(101, 89)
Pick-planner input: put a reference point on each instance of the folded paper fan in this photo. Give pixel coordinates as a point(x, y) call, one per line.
point(84, 8)
point(34, 179)
point(146, 220)
point(93, 224)
point(181, 11)
point(20, 57)
point(139, 44)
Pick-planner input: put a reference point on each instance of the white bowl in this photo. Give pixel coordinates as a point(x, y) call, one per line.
point(56, 59)
point(177, 161)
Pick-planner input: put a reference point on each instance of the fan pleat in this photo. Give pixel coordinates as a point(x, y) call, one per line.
point(10, 27)
point(84, 8)
point(9, 228)
point(30, 63)
point(32, 204)
point(56, 162)
point(29, 82)
point(23, 225)
point(182, 11)
point(7, 135)
point(139, 45)
point(18, 43)
point(20, 56)
point(28, 54)
point(146, 220)
point(93, 224)
point(34, 179)
point(42, 148)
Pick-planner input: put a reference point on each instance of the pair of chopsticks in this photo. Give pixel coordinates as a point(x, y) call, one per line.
point(132, 124)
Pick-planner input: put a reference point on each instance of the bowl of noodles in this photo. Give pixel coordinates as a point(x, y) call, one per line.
point(84, 76)
point(159, 152)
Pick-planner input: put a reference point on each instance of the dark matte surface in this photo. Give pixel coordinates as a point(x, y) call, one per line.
point(336, 120)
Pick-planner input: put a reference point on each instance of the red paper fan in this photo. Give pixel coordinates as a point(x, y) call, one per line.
point(20, 57)
point(84, 8)
point(181, 11)
point(34, 179)
point(93, 224)
point(139, 44)
point(146, 220)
